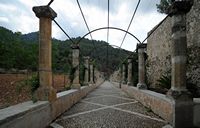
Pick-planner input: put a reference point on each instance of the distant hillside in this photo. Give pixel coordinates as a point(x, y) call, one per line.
point(21, 52)
point(33, 36)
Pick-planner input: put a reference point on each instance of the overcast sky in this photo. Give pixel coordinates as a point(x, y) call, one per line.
point(17, 15)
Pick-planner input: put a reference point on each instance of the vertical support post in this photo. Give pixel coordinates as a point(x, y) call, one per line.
point(141, 66)
point(120, 77)
point(75, 63)
point(45, 15)
point(86, 75)
point(130, 71)
point(91, 73)
point(124, 73)
point(181, 98)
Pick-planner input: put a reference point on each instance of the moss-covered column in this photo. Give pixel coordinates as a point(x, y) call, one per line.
point(141, 67)
point(45, 15)
point(130, 76)
point(91, 82)
point(86, 76)
point(182, 101)
point(123, 73)
point(75, 63)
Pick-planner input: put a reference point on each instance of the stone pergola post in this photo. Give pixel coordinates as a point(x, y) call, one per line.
point(91, 82)
point(123, 73)
point(120, 76)
point(141, 66)
point(182, 101)
point(130, 70)
point(86, 75)
point(75, 63)
point(45, 90)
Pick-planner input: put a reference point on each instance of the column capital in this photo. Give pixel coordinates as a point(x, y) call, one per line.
point(141, 46)
point(44, 11)
point(180, 6)
point(75, 46)
point(86, 57)
point(130, 60)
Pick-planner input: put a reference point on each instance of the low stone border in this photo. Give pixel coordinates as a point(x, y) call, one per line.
point(159, 103)
point(41, 113)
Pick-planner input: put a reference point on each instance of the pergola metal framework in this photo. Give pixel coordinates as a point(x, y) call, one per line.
point(108, 27)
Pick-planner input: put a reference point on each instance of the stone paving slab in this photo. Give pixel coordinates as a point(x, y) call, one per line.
point(81, 107)
point(138, 107)
point(110, 118)
point(109, 100)
point(109, 107)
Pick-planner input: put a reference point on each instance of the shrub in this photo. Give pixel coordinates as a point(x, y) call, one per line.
point(165, 81)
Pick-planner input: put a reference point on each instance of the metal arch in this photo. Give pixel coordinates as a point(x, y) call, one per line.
point(108, 28)
point(103, 45)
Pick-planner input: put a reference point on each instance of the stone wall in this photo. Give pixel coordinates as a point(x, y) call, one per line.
point(159, 49)
point(116, 76)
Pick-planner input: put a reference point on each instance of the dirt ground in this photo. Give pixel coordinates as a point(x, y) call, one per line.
point(10, 93)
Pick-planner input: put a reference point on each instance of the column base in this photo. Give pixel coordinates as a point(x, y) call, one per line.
point(182, 103)
point(179, 95)
point(141, 86)
point(86, 84)
point(91, 84)
point(129, 83)
point(46, 93)
point(76, 86)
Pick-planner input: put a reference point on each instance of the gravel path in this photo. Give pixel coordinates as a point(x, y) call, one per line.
point(109, 107)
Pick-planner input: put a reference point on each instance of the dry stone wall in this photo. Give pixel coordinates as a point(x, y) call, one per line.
point(159, 49)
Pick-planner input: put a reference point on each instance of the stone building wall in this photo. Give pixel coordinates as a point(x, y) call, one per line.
point(159, 49)
point(116, 76)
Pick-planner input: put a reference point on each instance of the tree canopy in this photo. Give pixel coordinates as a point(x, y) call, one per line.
point(163, 6)
point(20, 51)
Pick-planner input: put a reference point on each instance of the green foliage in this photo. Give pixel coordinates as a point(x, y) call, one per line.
point(32, 83)
point(68, 87)
point(163, 6)
point(165, 81)
point(20, 51)
point(82, 73)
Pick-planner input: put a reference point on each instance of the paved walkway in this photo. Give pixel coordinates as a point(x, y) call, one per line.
point(109, 107)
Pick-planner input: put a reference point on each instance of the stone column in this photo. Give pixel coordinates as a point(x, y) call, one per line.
point(120, 76)
point(130, 76)
point(182, 101)
point(45, 15)
point(75, 64)
point(86, 75)
point(91, 74)
point(141, 66)
point(123, 73)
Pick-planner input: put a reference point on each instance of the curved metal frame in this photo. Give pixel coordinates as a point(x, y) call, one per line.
point(108, 28)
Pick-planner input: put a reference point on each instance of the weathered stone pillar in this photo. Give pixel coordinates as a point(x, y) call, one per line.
point(86, 75)
point(123, 73)
point(120, 76)
point(141, 66)
point(91, 82)
point(130, 76)
point(45, 15)
point(75, 63)
point(182, 101)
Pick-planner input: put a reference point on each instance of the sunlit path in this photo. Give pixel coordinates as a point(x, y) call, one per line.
point(109, 107)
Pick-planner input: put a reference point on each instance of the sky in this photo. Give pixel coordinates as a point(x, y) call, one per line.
point(17, 15)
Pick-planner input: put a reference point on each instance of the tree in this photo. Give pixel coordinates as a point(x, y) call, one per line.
point(163, 6)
